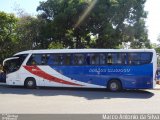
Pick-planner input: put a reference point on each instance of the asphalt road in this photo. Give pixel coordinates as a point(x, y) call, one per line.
point(67, 100)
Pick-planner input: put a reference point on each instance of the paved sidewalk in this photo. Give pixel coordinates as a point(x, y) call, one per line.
point(157, 87)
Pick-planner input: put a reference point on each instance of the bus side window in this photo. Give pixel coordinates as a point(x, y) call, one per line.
point(109, 58)
point(124, 58)
point(116, 58)
point(29, 62)
point(49, 59)
point(134, 58)
point(78, 59)
point(67, 59)
point(58, 59)
point(94, 59)
point(102, 59)
point(43, 59)
point(35, 59)
point(145, 58)
point(121, 58)
point(88, 59)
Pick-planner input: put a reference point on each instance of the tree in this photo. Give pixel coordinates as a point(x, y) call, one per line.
point(157, 46)
point(18, 34)
point(94, 23)
point(55, 45)
point(27, 31)
point(7, 34)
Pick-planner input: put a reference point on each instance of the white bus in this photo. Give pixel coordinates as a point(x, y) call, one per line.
point(114, 69)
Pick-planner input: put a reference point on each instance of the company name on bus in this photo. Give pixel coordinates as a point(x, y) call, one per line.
point(101, 70)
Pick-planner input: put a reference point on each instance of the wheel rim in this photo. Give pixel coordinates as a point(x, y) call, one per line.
point(30, 83)
point(113, 86)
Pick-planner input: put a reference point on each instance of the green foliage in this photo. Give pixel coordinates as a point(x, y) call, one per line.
point(74, 22)
point(156, 46)
point(7, 34)
point(27, 32)
point(157, 50)
point(18, 34)
point(55, 45)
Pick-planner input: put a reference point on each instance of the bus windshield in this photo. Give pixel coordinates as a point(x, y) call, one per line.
point(13, 64)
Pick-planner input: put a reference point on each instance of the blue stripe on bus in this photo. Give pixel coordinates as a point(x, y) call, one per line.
point(136, 77)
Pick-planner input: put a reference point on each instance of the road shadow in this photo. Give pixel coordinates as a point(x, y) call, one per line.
point(87, 93)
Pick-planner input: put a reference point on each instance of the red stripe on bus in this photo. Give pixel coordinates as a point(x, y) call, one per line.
point(40, 73)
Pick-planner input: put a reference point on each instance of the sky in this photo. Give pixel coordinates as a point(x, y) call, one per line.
point(29, 6)
point(153, 19)
point(10, 6)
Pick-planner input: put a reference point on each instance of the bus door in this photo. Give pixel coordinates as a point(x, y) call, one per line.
point(10, 66)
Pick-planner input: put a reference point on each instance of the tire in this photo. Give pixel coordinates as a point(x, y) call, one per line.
point(30, 83)
point(114, 85)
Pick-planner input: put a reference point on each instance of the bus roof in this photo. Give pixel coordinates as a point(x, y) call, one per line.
point(83, 50)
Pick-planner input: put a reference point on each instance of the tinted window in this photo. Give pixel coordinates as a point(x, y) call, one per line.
point(67, 59)
point(78, 59)
point(92, 59)
point(88, 59)
point(139, 58)
point(22, 57)
point(145, 56)
point(58, 59)
point(49, 59)
point(12, 65)
point(37, 59)
point(123, 58)
point(134, 58)
point(102, 59)
point(116, 58)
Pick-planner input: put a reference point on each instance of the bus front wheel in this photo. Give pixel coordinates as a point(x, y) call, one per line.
point(30, 83)
point(114, 85)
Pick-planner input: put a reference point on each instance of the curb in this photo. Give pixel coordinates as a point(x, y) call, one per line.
point(2, 83)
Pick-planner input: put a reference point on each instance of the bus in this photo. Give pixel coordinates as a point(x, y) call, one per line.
point(114, 69)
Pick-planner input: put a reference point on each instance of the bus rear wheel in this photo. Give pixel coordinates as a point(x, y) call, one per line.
point(114, 85)
point(30, 83)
